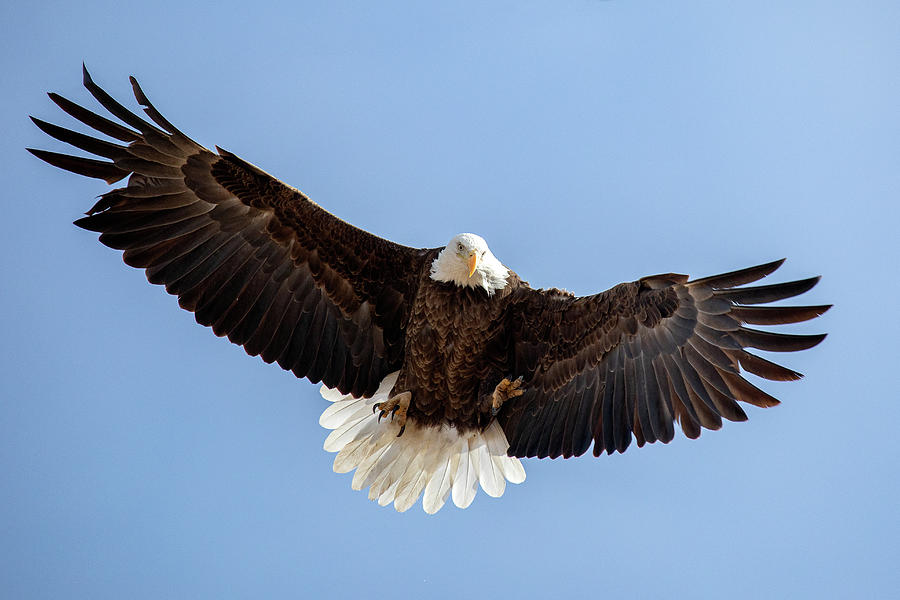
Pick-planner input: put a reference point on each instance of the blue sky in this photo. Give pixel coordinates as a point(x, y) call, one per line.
point(590, 143)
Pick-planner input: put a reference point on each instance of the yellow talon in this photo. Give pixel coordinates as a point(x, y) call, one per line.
point(397, 407)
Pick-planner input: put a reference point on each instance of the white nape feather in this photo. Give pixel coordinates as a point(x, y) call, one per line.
point(451, 265)
point(437, 461)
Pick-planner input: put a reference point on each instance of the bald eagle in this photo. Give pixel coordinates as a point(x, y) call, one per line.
point(442, 366)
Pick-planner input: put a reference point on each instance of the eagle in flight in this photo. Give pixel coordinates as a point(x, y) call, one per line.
point(442, 366)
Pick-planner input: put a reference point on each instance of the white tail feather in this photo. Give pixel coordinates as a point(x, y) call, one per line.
point(464, 475)
point(437, 461)
point(438, 487)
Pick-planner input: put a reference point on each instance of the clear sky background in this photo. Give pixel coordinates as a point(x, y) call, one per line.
point(590, 143)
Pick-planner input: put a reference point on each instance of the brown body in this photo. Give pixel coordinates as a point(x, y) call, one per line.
point(455, 349)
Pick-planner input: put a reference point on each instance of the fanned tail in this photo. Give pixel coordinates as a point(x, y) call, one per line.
point(438, 462)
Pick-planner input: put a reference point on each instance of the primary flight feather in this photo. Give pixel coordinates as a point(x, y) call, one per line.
point(443, 367)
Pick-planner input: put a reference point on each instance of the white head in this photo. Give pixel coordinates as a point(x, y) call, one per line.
point(467, 261)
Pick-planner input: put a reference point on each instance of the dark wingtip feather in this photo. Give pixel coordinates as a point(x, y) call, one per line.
point(79, 140)
point(85, 223)
point(85, 76)
point(44, 126)
point(768, 293)
point(151, 111)
point(776, 342)
point(741, 276)
point(91, 119)
point(48, 128)
point(139, 94)
point(116, 108)
point(778, 315)
point(88, 167)
point(765, 368)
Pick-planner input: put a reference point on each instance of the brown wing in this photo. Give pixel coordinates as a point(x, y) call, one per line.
point(641, 356)
point(253, 258)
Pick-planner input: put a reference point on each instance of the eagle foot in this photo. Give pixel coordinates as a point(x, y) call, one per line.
point(505, 390)
point(396, 407)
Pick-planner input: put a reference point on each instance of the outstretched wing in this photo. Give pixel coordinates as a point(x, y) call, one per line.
point(641, 356)
point(253, 258)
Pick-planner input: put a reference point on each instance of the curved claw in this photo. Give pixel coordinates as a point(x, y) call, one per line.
point(396, 407)
point(504, 391)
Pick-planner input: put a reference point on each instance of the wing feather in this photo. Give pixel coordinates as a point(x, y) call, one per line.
point(252, 257)
point(99, 169)
point(631, 362)
point(95, 121)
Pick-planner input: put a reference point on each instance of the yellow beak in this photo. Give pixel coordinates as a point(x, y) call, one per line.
point(473, 262)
